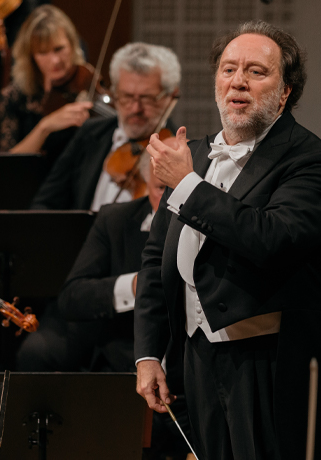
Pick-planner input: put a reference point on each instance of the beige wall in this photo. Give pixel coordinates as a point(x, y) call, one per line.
point(189, 27)
point(308, 34)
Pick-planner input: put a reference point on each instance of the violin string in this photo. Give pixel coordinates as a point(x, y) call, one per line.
point(104, 49)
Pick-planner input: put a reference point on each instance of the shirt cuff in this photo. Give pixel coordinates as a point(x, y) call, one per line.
point(124, 299)
point(183, 191)
point(148, 358)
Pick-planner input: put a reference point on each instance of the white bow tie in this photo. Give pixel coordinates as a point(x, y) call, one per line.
point(236, 152)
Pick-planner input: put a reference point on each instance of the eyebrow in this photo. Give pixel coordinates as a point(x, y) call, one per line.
point(251, 63)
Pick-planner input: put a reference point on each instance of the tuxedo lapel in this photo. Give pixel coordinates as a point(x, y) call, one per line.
point(201, 161)
point(269, 153)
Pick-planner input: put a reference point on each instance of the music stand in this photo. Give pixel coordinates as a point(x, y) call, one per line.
point(91, 416)
point(38, 249)
point(21, 175)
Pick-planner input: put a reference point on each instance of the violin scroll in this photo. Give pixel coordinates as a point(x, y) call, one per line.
point(26, 321)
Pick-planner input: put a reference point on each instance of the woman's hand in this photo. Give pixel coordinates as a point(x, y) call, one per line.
point(73, 114)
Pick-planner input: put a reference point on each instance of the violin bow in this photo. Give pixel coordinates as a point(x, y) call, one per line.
point(169, 109)
point(103, 49)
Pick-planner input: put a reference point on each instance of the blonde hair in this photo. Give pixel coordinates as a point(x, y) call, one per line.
point(40, 28)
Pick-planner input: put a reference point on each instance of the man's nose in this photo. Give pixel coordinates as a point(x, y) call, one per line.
point(137, 105)
point(240, 80)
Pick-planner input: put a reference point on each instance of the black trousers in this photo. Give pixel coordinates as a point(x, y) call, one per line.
point(229, 393)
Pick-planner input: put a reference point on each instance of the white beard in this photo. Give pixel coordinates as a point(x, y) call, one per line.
point(251, 121)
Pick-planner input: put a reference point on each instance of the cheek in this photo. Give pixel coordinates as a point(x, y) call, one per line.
point(121, 112)
point(68, 57)
point(154, 113)
point(220, 84)
point(42, 63)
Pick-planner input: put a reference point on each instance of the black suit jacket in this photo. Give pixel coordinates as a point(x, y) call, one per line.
point(113, 248)
point(72, 181)
point(261, 254)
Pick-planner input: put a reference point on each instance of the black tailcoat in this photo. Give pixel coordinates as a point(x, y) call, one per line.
point(261, 255)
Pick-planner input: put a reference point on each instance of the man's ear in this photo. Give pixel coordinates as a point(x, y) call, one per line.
point(285, 94)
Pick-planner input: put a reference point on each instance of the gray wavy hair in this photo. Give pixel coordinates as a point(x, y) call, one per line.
point(40, 28)
point(293, 58)
point(144, 58)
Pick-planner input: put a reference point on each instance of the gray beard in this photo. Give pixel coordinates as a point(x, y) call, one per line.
point(251, 125)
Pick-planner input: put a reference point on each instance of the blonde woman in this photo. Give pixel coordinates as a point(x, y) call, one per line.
point(46, 54)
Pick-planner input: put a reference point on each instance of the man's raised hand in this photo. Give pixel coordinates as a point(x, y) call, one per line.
point(171, 163)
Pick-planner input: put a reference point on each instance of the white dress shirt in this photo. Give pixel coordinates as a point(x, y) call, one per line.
point(222, 173)
point(107, 189)
point(124, 299)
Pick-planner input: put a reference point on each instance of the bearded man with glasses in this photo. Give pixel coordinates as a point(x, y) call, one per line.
point(144, 80)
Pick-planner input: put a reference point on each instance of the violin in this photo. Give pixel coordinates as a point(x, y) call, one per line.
point(75, 88)
point(123, 164)
point(26, 321)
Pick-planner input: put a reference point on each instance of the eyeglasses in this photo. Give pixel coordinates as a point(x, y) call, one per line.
point(145, 99)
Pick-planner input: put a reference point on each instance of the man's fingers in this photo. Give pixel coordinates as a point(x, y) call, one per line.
point(150, 149)
point(151, 384)
point(155, 403)
point(165, 396)
point(171, 142)
point(153, 399)
point(181, 135)
point(156, 143)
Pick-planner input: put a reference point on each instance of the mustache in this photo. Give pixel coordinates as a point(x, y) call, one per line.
point(235, 95)
point(136, 115)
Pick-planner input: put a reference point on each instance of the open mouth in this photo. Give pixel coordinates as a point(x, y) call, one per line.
point(239, 101)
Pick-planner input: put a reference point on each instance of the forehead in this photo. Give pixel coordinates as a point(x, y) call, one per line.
point(145, 83)
point(48, 39)
point(252, 47)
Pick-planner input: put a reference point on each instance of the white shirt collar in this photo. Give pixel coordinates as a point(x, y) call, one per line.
point(119, 138)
